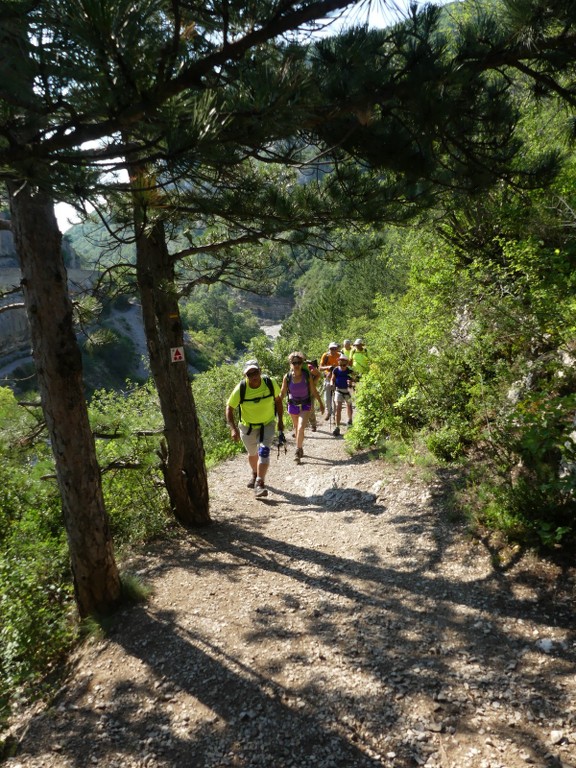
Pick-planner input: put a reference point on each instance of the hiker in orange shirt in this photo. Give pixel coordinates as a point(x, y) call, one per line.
point(327, 362)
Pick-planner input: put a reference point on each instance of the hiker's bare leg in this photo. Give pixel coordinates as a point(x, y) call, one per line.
point(253, 460)
point(302, 422)
point(294, 417)
point(262, 469)
point(338, 413)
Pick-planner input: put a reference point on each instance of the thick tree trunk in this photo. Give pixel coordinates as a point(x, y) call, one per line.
point(182, 454)
point(59, 370)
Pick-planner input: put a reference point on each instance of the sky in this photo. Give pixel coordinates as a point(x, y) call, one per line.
point(66, 216)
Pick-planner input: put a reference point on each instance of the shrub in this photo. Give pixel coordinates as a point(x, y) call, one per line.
point(446, 443)
point(211, 391)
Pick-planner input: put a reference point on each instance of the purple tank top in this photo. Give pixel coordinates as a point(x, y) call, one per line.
point(298, 391)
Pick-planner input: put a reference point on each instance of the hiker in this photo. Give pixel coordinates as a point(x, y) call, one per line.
point(342, 380)
point(300, 389)
point(312, 367)
point(327, 362)
point(359, 358)
point(347, 348)
point(259, 402)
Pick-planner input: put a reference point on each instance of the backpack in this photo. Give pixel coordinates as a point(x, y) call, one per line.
point(268, 381)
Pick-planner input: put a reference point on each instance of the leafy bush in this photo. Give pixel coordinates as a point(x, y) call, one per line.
point(37, 607)
point(539, 488)
point(35, 588)
point(134, 494)
point(211, 391)
point(446, 443)
point(216, 329)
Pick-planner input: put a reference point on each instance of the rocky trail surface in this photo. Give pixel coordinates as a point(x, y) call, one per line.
point(346, 621)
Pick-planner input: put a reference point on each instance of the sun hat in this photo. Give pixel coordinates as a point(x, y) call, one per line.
point(333, 345)
point(251, 365)
point(358, 341)
point(346, 341)
point(343, 357)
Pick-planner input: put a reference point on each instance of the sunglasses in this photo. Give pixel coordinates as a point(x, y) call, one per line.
point(251, 374)
point(296, 362)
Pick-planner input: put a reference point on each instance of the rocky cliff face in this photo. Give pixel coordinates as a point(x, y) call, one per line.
point(269, 309)
point(7, 252)
point(14, 331)
point(15, 348)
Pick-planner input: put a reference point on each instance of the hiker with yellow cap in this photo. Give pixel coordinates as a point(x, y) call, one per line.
point(258, 399)
point(359, 358)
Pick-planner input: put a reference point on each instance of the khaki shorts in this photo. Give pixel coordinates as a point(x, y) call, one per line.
point(342, 396)
point(252, 441)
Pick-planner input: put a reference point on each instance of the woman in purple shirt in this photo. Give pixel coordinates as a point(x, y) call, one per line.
point(300, 388)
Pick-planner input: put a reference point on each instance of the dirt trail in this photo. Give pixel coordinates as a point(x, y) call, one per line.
point(347, 620)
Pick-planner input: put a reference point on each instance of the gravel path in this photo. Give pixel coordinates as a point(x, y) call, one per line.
point(348, 620)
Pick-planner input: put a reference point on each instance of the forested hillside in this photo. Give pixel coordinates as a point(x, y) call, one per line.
point(413, 186)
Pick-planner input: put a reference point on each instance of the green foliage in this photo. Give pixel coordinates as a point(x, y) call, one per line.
point(273, 360)
point(108, 359)
point(335, 299)
point(446, 443)
point(130, 427)
point(36, 596)
point(467, 315)
point(211, 391)
point(134, 590)
point(36, 614)
point(216, 329)
point(95, 247)
point(14, 420)
point(539, 436)
point(36, 601)
point(474, 356)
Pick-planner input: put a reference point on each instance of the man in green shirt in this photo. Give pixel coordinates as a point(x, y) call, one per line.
point(260, 404)
point(359, 359)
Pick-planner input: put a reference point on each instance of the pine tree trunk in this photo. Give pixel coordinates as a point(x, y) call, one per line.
point(59, 370)
point(182, 453)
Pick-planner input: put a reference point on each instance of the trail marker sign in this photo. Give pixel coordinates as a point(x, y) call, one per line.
point(177, 354)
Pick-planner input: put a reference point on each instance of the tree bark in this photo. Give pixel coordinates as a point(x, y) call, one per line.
point(59, 370)
point(182, 453)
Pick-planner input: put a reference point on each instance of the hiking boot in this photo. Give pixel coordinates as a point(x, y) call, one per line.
point(336, 432)
point(259, 489)
point(251, 482)
point(327, 416)
point(350, 423)
point(297, 455)
point(313, 427)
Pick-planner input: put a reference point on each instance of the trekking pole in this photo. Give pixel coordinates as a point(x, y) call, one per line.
point(282, 442)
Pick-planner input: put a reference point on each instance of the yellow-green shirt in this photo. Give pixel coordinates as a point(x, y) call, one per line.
point(360, 360)
point(258, 405)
